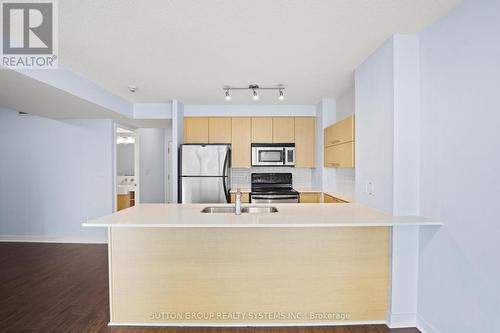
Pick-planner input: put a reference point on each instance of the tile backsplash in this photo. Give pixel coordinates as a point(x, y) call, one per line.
point(302, 177)
point(346, 182)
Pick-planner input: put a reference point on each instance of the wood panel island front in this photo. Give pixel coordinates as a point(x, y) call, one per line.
point(323, 264)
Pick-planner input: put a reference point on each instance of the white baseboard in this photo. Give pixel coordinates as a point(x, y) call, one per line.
point(47, 239)
point(424, 326)
point(401, 320)
point(336, 323)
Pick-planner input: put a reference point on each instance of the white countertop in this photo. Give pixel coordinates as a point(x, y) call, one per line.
point(288, 216)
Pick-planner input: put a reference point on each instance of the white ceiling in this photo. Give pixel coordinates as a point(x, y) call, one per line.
point(190, 49)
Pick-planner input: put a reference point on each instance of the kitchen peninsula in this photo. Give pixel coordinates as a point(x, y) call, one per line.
point(171, 264)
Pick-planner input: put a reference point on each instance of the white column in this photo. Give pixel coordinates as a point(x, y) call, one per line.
point(388, 157)
point(177, 139)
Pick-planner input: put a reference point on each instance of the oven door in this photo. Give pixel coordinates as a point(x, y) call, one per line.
point(274, 198)
point(268, 156)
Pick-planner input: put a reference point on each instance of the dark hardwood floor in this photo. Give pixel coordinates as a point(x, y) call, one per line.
point(64, 288)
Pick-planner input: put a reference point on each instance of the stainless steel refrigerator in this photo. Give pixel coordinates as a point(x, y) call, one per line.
point(204, 173)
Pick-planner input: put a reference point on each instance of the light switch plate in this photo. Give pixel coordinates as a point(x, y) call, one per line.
point(370, 188)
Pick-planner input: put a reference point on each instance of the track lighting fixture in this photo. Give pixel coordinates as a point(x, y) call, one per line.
point(254, 88)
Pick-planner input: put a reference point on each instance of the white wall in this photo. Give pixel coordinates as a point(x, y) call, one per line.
point(346, 103)
point(250, 110)
point(329, 109)
point(153, 168)
point(153, 111)
point(388, 125)
point(459, 273)
point(323, 178)
point(317, 173)
point(125, 159)
point(345, 177)
point(64, 80)
point(406, 166)
point(54, 175)
point(374, 128)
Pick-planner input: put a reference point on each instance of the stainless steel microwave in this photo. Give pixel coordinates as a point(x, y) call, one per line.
point(273, 154)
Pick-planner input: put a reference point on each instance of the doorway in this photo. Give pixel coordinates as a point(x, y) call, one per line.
point(127, 168)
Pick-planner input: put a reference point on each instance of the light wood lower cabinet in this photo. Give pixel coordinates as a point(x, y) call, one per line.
point(122, 202)
point(241, 141)
point(196, 130)
point(331, 199)
point(125, 201)
point(156, 273)
point(245, 197)
point(310, 197)
point(340, 156)
point(219, 130)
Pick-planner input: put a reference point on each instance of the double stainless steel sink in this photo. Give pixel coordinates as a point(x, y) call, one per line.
point(246, 209)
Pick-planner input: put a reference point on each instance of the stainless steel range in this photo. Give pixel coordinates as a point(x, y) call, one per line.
point(273, 188)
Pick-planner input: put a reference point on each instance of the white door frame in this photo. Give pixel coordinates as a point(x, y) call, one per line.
point(168, 188)
point(136, 163)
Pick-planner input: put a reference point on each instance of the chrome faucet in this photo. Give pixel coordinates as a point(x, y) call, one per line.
point(237, 202)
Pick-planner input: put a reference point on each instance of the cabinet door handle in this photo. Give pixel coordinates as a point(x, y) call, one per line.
point(334, 164)
point(334, 141)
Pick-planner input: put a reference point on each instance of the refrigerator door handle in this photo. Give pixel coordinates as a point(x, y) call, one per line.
point(224, 176)
point(228, 178)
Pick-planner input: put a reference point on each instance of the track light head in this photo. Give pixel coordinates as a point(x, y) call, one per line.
point(255, 95)
point(228, 95)
point(282, 96)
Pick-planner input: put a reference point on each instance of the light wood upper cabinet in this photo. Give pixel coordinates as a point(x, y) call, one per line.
point(340, 132)
point(340, 156)
point(305, 142)
point(339, 144)
point(283, 129)
point(207, 130)
point(241, 132)
point(196, 130)
point(262, 129)
point(219, 130)
point(241, 141)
